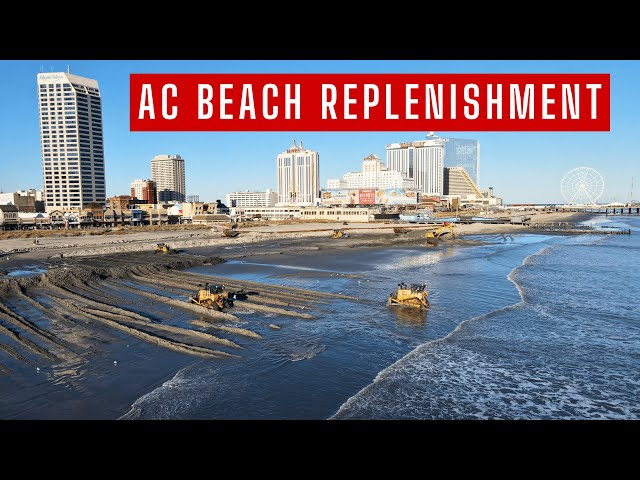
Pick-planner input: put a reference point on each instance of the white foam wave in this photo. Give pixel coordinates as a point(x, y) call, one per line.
point(420, 348)
point(179, 381)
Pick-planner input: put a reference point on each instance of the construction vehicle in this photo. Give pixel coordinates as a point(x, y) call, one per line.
point(230, 232)
point(434, 236)
point(339, 234)
point(214, 297)
point(164, 248)
point(414, 296)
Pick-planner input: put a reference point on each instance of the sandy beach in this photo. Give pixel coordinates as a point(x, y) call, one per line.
point(76, 307)
point(73, 244)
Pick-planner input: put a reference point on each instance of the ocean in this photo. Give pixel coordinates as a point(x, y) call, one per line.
point(520, 327)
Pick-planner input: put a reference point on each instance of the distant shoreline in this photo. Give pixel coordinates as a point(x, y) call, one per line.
point(57, 244)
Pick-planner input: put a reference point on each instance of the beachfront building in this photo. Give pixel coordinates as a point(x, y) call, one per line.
point(338, 214)
point(34, 221)
point(121, 202)
point(463, 152)
point(144, 189)
point(267, 198)
point(459, 189)
point(420, 161)
point(70, 109)
point(241, 214)
point(167, 171)
point(187, 212)
point(24, 203)
point(458, 182)
point(298, 176)
point(8, 217)
point(373, 175)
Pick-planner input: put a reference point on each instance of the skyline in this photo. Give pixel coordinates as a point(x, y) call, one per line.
point(520, 166)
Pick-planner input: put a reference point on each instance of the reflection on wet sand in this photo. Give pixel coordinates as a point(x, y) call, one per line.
point(410, 316)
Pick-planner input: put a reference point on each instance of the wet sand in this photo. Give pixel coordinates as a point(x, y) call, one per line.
point(101, 306)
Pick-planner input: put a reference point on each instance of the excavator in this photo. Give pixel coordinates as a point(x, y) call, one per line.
point(339, 234)
point(216, 297)
point(434, 236)
point(414, 296)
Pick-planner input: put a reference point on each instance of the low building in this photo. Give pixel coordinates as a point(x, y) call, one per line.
point(34, 220)
point(121, 201)
point(267, 198)
point(187, 211)
point(156, 214)
point(114, 217)
point(97, 211)
point(8, 217)
point(458, 182)
point(264, 213)
point(57, 219)
point(338, 214)
point(23, 201)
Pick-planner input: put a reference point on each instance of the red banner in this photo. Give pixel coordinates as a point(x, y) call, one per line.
point(370, 102)
point(367, 196)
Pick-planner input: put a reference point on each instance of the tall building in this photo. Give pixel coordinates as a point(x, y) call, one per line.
point(462, 152)
point(268, 198)
point(373, 175)
point(458, 182)
point(168, 173)
point(298, 176)
point(420, 161)
point(71, 136)
point(144, 190)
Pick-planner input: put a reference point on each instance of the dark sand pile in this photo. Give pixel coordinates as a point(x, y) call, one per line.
point(85, 300)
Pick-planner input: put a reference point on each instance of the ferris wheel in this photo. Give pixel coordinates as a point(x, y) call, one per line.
point(582, 185)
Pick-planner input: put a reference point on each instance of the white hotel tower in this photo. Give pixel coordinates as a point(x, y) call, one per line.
point(298, 176)
point(420, 161)
point(168, 173)
point(71, 135)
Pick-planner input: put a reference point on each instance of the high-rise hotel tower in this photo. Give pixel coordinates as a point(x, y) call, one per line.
point(298, 176)
point(167, 171)
point(420, 161)
point(71, 136)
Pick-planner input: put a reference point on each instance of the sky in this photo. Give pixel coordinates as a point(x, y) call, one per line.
point(522, 167)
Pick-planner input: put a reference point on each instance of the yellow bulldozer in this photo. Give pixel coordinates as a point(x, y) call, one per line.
point(434, 236)
point(214, 297)
point(414, 296)
point(164, 248)
point(339, 234)
point(217, 298)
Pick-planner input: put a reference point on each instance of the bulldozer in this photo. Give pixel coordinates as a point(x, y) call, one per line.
point(214, 297)
point(230, 232)
point(339, 234)
point(434, 236)
point(414, 296)
point(164, 248)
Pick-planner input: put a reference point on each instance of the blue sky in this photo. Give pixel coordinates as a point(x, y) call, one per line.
point(521, 167)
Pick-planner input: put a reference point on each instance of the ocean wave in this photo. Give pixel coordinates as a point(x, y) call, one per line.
point(407, 359)
point(164, 408)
